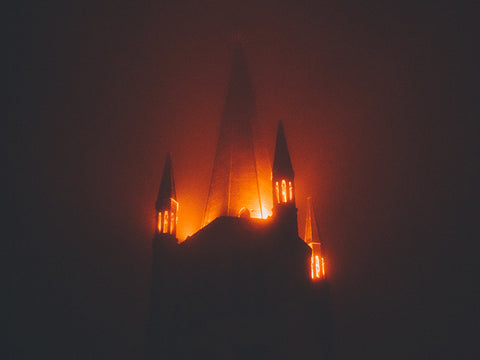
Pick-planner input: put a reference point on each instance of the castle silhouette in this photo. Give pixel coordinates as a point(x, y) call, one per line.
point(245, 286)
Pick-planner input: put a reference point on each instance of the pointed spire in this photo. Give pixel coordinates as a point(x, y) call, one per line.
point(311, 229)
point(283, 185)
point(240, 80)
point(282, 165)
point(234, 183)
point(167, 186)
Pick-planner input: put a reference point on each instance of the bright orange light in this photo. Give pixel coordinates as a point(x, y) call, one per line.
point(317, 267)
point(159, 222)
point(165, 221)
point(277, 190)
point(284, 191)
point(266, 213)
point(323, 267)
point(311, 267)
point(290, 190)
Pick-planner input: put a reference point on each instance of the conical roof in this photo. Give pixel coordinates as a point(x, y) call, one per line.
point(282, 165)
point(311, 229)
point(167, 185)
point(234, 184)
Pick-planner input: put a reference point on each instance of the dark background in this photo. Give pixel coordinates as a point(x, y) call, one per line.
point(379, 102)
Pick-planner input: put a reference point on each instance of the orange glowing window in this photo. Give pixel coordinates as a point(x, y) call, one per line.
point(290, 190)
point(311, 267)
point(317, 267)
point(165, 221)
point(159, 223)
point(284, 191)
point(172, 222)
point(277, 190)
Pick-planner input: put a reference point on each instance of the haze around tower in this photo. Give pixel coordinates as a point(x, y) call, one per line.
point(379, 102)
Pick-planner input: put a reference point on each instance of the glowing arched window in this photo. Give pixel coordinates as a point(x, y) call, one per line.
point(317, 267)
point(159, 222)
point(323, 267)
point(290, 190)
point(277, 190)
point(284, 191)
point(312, 265)
point(172, 222)
point(165, 221)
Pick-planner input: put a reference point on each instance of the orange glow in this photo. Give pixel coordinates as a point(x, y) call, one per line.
point(311, 267)
point(266, 213)
point(165, 221)
point(317, 267)
point(193, 216)
point(174, 216)
point(317, 262)
point(175, 202)
point(290, 190)
point(284, 191)
point(277, 190)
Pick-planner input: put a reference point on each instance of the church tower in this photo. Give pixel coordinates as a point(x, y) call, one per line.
point(243, 286)
point(283, 184)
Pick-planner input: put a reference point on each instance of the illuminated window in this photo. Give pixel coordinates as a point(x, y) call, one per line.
point(317, 267)
point(277, 190)
point(290, 190)
point(165, 221)
point(159, 222)
point(284, 191)
point(311, 267)
point(172, 222)
point(323, 267)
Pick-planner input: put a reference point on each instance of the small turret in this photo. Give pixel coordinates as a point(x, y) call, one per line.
point(312, 239)
point(167, 205)
point(165, 265)
point(283, 185)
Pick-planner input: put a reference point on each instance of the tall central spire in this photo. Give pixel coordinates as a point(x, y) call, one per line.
point(234, 185)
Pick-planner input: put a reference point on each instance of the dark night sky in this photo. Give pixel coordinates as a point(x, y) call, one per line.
point(379, 105)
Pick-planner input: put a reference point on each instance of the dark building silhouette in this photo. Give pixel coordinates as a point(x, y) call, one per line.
point(242, 287)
